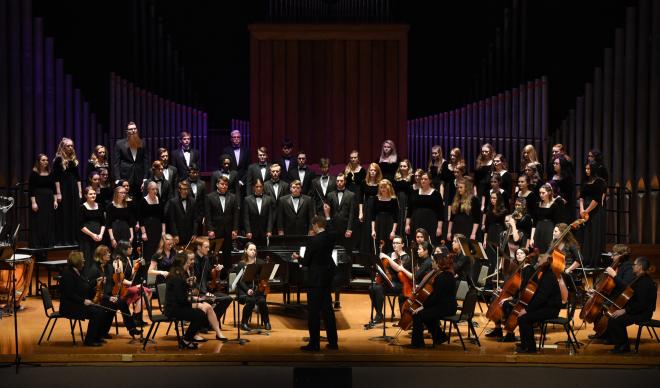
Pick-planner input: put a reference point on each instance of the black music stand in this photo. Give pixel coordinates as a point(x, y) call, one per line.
point(250, 275)
point(390, 285)
point(238, 339)
point(8, 262)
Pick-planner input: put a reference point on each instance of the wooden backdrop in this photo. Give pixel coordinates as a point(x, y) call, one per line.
point(329, 88)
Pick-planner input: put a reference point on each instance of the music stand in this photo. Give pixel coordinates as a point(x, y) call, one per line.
point(375, 263)
point(8, 262)
point(268, 272)
point(238, 339)
point(215, 245)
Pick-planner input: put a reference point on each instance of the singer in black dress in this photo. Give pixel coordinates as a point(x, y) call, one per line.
point(591, 206)
point(41, 190)
point(493, 226)
point(465, 211)
point(69, 192)
point(403, 188)
point(368, 191)
point(425, 210)
point(92, 226)
point(384, 215)
point(389, 161)
point(119, 218)
point(152, 220)
point(548, 214)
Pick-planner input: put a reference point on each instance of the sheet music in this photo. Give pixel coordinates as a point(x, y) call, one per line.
point(384, 276)
point(302, 251)
point(334, 256)
point(272, 274)
point(238, 278)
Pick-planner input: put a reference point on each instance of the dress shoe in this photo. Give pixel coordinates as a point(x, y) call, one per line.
point(509, 337)
point(267, 326)
point(94, 344)
point(337, 305)
point(135, 332)
point(440, 338)
point(620, 349)
point(332, 346)
point(106, 336)
point(245, 327)
point(495, 333)
point(596, 337)
point(200, 339)
point(222, 339)
point(310, 348)
point(101, 340)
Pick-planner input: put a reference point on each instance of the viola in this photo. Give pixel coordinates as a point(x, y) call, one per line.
point(118, 289)
point(603, 288)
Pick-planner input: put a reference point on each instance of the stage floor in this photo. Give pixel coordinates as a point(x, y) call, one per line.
point(281, 347)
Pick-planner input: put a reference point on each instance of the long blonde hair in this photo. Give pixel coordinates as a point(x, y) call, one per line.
point(349, 168)
point(399, 177)
point(390, 190)
point(482, 160)
point(392, 157)
point(463, 202)
point(62, 155)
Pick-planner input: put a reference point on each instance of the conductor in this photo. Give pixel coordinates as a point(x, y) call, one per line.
point(321, 269)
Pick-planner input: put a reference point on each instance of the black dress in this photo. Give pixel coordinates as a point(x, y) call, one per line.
point(482, 179)
point(388, 169)
point(463, 222)
point(104, 197)
point(42, 222)
point(494, 227)
point(507, 183)
point(151, 218)
point(567, 192)
point(163, 263)
point(424, 211)
point(256, 298)
point(594, 229)
point(354, 183)
point(544, 222)
point(384, 214)
point(93, 220)
point(366, 199)
point(67, 212)
point(438, 175)
point(403, 190)
point(120, 220)
point(532, 201)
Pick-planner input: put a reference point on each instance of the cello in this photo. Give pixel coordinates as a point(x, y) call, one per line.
point(386, 266)
point(603, 288)
point(508, 291)
point(416, 301)
point(600, 323)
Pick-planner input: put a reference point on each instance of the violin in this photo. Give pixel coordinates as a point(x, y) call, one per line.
point(214, 281)
point(118, 289)
point(602, 289)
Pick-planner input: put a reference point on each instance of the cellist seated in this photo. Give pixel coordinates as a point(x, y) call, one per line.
point(545, 304)
point(524, 261)
point(638, 309)
point(398, 262)
point(440, 303)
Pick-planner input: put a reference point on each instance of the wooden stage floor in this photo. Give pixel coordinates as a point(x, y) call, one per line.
point(281, 347)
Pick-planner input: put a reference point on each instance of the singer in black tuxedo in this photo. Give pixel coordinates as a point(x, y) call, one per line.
point(321, 196)
point(258, 212)
point(129, 168)
point(259, 170)
point(290, 221)
point(181, 215)
point(179, 160)
point(241, 164)
point(226, 170)
point(320, 271)
point(343, 212)
point(301, 169)
point(222, 222)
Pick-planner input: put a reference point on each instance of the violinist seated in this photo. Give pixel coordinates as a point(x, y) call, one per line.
point(526, 272)
point(464, 267)
point(75, 302)
point(199, 302)
point(441, 303)
point(177, 302)
point(208, 276)
point(622, 276)
point(398, 263)
point(545, 304)
point(117, 293)
point(638, 309)
point(249, 293)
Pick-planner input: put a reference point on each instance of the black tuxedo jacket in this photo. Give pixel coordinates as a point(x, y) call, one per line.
point(219, 221)
point(254, 173)
point(199, 198)
point(318, 258)
point(342, 214)
point(179, 161)
point(285, 175)
point(125, 167)
point(180, 222)
point(306, 185)
point(317, 192)
point(239, 165)
point(258, 223)
point(233, 181)
point(283, 189)
point(292, 222)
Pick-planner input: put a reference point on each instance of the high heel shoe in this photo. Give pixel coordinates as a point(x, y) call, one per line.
point(222, 339)
point(188, 345)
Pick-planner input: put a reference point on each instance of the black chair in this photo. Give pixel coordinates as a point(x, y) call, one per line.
point(157, 319)
point(650, 325)
point(565, 322)
point(51, 313)
point(466, 314)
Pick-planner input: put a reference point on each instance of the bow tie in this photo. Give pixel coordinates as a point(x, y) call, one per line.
point(340, 191)
point(262, 164)
point(237, 148)
point(222, 195)
point(302, 168)
point(298, 197)
point(258, 196)
point(325, 178)
point(186, 149)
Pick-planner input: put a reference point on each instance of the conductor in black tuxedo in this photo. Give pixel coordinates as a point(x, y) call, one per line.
point(181, 215)
point(130, 162)
point(258, 212)
point(185, 155)
point(323, 185)
point(320, 271)
point(343, 209)
point(222, 211)
point(259, 170)
point(295, 212)
point(239, 155)
point(303, 174)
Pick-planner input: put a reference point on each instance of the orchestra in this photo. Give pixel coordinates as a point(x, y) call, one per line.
point(385, 208)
